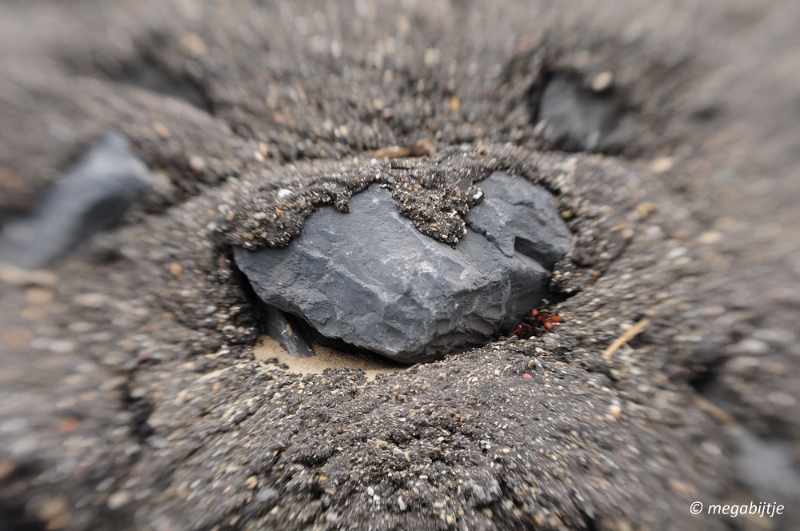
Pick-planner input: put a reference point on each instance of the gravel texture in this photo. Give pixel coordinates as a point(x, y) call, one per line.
point(132, 397)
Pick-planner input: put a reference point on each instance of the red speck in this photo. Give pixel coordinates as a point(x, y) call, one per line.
point(543, 318)
point(68, 425)
point(527, 376)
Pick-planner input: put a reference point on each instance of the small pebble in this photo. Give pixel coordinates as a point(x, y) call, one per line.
point(14, 425)
point(743, 364)
point(602, 81)
point(161, 130)
point(61, 346)
point(455, 104)
point(17, 336)
point(780, 398)
point(676, 253)
point(81, 326)
point(105, 484)
point(776, 337)
point(119, 499)
point(92, 300)
point(711, 448)
point(267, 496)
point(176, 269)
point(39, 296)
point(193, 44)
point(52, 508)
point(662, 164)
point(710, 237)
point(24, 447)
point(751, 346)
point(197, 164)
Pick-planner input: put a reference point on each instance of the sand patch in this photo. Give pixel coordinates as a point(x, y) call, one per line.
point(326, 358)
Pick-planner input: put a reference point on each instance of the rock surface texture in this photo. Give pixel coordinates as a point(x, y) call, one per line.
point(282, 329)
point(90, 197)
point(373, 280)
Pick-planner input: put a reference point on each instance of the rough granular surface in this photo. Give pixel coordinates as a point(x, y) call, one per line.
point(131, 397)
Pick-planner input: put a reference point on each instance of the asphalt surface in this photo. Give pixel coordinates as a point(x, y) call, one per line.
point(133, 392)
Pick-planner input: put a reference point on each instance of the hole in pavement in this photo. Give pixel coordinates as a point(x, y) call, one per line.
point(140, 410)
point(91, 196)
point(704, 369)
point(573, 117)
point(148, 73)
point(765, 465)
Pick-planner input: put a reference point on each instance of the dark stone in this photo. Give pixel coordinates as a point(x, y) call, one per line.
point(484, 494)
point(519, 217)
point(267, 497)
point(575, 118)
point(285, 329)
point(90, 197)
point(372, 280)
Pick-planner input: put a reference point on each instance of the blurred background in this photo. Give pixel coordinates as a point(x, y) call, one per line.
point(115, 112)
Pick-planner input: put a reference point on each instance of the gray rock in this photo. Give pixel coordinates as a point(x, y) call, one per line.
point(283, 329)
point(519, 217)
point(574, 118)
point(371, 279)
point(486, 493)
point(267, 497)
point(90, 197)
point(767, 466)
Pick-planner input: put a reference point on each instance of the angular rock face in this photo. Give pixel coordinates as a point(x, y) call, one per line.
point(519, 217)
point(92, 196)
point(371, 279)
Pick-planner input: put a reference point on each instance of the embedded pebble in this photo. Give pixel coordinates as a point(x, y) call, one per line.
point(90, 197)
point(372, 280)
point(751, 346)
